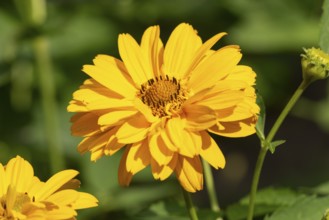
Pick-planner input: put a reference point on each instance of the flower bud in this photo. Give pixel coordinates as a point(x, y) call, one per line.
point(315, 64)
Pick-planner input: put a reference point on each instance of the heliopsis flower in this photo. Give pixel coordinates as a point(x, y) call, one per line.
point(161, 102)
point(24, 196)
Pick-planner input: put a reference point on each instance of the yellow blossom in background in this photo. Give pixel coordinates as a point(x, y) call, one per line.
point(24, 196)
point(161, 101)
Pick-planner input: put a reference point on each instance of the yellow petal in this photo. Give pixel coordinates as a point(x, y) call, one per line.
point(159, 151)
point(19, 173)
point(3, 182)
point(72, 184)
point(235, 128)
point(76, 106)
point(134, 130)
point(189, 173)
point(180, 50)
point(164, 171)
point(116, 117)
point(85, 200)
point(64, 197)
point(245, 109)
point(95, 142)
point(187, 142)
point(145, 110)
point(217, 99)
point(96, 154)
point(109, 75)
point(220, 88)
point(84, 124)
point(10, 198)
point(124, 176)
point(113, 145)
point(211, 152)
point(213, 68)
point(138, 157)
point(62, 212)
point(35, 186)
point(136, 63)
point(93, 100)
point(54, 183)
point(167, 141)
point(152, 48)
point(199, 117)
point(203, 50)
point(242, 73)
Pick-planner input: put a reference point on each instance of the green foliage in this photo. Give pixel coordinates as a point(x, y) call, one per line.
point(274, 144)
point(260, 126)
point(172, 209)
point(310, 207)
point(267, 201)
point(324, 30)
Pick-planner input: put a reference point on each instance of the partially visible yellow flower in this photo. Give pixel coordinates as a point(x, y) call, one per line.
point(24, 196)
point(160, 102)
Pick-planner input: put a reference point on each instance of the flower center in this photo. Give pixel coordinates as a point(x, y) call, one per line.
point(7, 206)
point(164, 95)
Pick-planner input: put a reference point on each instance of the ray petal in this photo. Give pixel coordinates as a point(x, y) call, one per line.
point(124, 176)
point(54, 183)
point(180, 50)
point(110, 76)
point(136, 63)
point(138, 157)
point(241, 128)
point(189, 173)
point(152, 48)
point(213, 68)
point(133, 130)
point(159, 151)
point(211, 152)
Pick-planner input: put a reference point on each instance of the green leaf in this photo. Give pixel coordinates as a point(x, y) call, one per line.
point(309, 207)
point(267, 200)
point(324, 29)
point(239, 212)
point(261, 118)
point(273, 196)
point(322, 188)
point(272, 146)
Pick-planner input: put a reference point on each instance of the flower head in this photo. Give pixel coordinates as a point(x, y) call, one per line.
point(315, 64)
point(24, 196)
point(160, 102)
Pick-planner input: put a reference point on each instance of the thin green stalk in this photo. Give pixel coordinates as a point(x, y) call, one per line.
point(210, 187)
point(49, 105)
point(268, 140)
point(255, 180)
point(189, 205)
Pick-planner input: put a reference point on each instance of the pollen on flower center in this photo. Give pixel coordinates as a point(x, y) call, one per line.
point(164, 95)
point(19, 200)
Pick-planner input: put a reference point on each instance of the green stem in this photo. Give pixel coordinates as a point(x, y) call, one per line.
point(286, 110)
point(49, 105)
point(268, 140)
point(189, 205)
point(255, 180)
point(210, 187)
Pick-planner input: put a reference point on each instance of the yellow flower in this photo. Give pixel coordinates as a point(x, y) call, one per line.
point(160, 102)
point(24, 196)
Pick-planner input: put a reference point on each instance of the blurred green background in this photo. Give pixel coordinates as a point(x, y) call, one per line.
point(40, 68)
